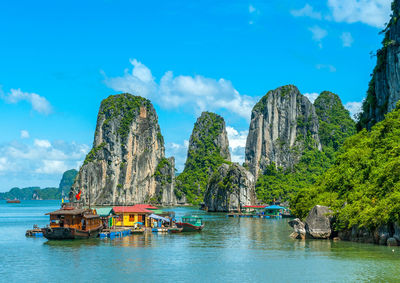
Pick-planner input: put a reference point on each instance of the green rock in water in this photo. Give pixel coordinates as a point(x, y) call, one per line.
point(208, 149)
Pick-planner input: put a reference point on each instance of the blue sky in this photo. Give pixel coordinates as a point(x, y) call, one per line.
point(59, 59)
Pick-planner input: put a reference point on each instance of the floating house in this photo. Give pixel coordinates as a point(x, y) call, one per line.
point(274, 211)
point(128, 216)
point(106, 215)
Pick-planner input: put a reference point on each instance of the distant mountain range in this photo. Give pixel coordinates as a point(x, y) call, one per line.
point(36, 193)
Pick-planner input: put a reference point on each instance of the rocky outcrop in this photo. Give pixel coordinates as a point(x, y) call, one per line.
point(335, 123)
point(283, 123)
point(318, 222)
point(127, 149)
point(208, 149)
point(67, 181)
point(387, 234)
point(229, 189)
point(384, 87)
point(165, 182)
point(299, 229)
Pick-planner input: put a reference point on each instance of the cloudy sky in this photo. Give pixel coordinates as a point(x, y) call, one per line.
point(59, 59)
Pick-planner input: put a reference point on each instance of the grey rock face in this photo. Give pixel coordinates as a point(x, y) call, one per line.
point(385, 83)
point(127, 148)
point(230, 188)
point(165, 182)
point(282, 123)
point(318, 222)
point(299, 228)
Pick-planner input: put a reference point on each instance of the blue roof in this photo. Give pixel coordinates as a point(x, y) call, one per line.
point(274, 207)
point(154, 216)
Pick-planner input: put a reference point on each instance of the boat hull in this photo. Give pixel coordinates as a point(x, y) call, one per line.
point(13, 201)
point(64, 233)
point(187, 227)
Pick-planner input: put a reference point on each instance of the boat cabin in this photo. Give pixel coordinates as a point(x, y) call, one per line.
point(194, 220)
point(274, 211)
point(68, 217)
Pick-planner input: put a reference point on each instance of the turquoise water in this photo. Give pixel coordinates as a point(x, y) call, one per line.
point(228, 250)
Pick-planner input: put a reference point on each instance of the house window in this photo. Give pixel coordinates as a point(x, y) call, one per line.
point(140, 218)
point(131, 217)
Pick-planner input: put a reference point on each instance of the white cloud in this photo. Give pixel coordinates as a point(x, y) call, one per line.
point(331, 68)
point(194, 92)
point(52, 167)
point(42, 143)
point(347, 39)
point(39, 103)
point(252, 9)
point(354, 108)
point(24, 134)
point(311, 96)
point(318, 34)
point(237, 143)
point(371, 12)
point(307, 11)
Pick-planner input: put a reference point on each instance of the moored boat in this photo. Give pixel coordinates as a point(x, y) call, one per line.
point(72, 223)
point(175, 230)
point(191, 224)
point(13, 201)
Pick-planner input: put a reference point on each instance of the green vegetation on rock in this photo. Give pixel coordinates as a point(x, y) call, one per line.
point(363, 187)
point(124, 107)
point(335, 126)
point(91, 156)
point(204, 157)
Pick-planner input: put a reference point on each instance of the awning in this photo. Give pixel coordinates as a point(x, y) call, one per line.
point(157, 217)
point(274, 207)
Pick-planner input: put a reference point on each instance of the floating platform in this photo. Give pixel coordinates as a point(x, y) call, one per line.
point(253, 215)
point(114, 233)
point(35, 232)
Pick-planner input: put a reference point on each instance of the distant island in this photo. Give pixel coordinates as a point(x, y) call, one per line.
point(36, 193)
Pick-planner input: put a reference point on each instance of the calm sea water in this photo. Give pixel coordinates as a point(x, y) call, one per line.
point(228, 250)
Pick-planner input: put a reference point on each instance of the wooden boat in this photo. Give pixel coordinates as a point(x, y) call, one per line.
point(191, 224)
point(72, 223)
point(175, 230)
point(13, 201)
point(35, 232)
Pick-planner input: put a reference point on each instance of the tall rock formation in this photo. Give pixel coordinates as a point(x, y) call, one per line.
point(384, 87)
point(208, 149)
point(335, 123)
point(67, 181)
point(283, 124)
point(127, 149)
point(229, 189)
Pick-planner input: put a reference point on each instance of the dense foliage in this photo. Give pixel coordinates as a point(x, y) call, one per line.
point(363, 187)
point(125, 108)
point(335, 125)
point(204, 157)
point(30, 192)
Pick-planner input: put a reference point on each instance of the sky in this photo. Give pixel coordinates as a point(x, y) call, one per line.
point(59, 59)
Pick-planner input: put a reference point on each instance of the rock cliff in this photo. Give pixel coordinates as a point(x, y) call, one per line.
point(127, 150)
point(229, 189)
point(208, 149)
point(384, 87)
point(335, 123)
point(283, 123)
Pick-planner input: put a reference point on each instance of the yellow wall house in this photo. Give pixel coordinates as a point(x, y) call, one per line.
point(127, 216)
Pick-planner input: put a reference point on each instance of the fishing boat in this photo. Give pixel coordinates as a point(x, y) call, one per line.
point(13, 201)
point(191, 223)
point(72, 223)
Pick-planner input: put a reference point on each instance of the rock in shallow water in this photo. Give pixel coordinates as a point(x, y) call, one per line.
point(318, 222)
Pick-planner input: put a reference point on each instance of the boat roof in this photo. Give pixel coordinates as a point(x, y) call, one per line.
point(274, 207)
point(75, 211)
point(191, 216)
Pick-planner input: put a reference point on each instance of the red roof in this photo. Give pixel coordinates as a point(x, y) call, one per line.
point(254, 206)
point(145, 206)
point(130, 209)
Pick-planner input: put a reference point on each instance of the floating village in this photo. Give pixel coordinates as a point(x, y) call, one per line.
point(74, 222)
